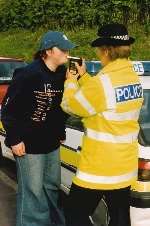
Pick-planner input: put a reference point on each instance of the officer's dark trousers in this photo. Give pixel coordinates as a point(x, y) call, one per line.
point(82, 202)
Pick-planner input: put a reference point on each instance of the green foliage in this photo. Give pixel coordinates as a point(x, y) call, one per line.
point(30, 14)
point(23, 21)
point(23, 43)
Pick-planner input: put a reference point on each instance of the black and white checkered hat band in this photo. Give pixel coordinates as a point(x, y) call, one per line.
point(120, 37)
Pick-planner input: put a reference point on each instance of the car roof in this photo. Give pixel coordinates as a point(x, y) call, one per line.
point(142, 68)
point(3, 58)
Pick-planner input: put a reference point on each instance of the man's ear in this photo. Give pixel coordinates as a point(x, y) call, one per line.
point(49, 52)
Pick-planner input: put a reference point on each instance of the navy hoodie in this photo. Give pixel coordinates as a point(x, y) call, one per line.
point(31, 109)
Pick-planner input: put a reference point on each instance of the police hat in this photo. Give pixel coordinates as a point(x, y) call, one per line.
point(55, 39)
point(113, 35)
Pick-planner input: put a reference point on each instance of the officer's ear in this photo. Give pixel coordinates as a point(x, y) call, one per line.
point(106, 52)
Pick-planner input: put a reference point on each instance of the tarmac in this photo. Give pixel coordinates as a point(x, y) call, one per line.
point(8, 189)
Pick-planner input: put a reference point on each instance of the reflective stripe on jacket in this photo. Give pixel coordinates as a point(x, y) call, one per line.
point(109, 105)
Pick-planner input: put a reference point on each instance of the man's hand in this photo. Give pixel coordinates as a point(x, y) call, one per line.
point(71, 74)
point(18, 149)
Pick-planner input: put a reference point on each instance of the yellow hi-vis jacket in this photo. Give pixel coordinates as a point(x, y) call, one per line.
point(109, 104)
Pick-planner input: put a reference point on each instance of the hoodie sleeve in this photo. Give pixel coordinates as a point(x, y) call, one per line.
point(12, 108)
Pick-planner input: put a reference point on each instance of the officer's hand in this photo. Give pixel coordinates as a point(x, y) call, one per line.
point(71, 74)
point(18, 149)
point(81, 69)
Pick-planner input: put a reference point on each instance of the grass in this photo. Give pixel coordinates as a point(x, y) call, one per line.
point(24, 43)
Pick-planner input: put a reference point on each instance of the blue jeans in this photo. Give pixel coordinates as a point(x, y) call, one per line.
point(39, 181)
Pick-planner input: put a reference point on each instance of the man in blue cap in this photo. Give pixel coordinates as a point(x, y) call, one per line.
point(35, 127)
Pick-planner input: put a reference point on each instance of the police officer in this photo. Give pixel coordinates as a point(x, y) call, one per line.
point(109, 105)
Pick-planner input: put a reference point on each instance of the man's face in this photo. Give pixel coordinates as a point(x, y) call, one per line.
point(58, 56)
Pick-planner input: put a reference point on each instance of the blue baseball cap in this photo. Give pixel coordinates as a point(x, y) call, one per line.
point(55, 39)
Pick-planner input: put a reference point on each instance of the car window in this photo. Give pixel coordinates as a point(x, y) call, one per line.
point(146, 65)
point(93, 67)
point(144, 118)
point(7, 69)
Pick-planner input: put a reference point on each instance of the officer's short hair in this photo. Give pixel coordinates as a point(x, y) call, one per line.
point(116, 52)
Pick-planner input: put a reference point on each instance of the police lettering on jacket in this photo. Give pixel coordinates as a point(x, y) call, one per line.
point(130, 92)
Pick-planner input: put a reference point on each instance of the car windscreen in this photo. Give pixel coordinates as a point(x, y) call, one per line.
point(7, 69)
point(144, 120)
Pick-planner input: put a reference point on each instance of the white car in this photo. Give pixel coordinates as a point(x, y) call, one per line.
point(70, 151)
